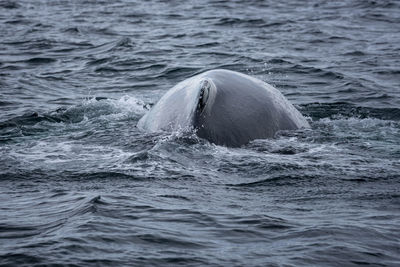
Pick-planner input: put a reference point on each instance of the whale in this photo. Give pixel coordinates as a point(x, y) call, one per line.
point(225, 107)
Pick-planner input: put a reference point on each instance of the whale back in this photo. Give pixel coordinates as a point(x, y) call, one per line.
point(225, 107)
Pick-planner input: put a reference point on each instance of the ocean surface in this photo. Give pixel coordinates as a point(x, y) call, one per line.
point(81, 185)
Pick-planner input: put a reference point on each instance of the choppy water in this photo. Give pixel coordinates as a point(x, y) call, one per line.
point(81, 185)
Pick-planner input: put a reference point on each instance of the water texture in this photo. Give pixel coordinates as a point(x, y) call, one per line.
point(81, 185)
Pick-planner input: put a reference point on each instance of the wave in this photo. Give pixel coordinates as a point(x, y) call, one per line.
point(58, 209)
point(345, 110)
point(92, 108)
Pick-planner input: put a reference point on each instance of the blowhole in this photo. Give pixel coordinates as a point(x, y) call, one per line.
point(204, 94)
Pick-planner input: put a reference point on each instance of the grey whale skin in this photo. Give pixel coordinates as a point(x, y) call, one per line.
point(225, 107)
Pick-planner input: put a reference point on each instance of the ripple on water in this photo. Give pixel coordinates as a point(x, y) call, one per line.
point(82, 185)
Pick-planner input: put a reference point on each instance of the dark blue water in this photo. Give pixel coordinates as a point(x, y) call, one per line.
point(81, 185)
